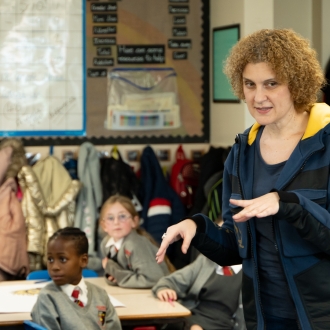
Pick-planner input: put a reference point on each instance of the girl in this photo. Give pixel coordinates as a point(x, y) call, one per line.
point(129, 256)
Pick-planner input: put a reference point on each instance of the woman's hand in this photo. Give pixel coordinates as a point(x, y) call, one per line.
point(185, 229)
point(167, 295)
point(258, 207)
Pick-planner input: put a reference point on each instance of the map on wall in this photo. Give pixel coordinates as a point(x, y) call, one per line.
point(42, 85)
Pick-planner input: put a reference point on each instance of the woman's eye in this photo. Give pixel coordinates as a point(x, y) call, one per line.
point(272, 83)
point(50, 260)
point(63, 259)
point(248, 84)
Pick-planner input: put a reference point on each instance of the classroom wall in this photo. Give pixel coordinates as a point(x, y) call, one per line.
point(308, 17)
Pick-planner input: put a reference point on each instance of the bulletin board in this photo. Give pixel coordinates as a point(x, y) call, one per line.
point(132, 35)
point(42, 68)
point(224, 38)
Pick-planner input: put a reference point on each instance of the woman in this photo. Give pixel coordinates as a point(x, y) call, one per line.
point(276, 187)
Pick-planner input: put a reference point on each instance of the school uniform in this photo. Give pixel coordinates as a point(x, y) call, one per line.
point(56, 310)
point(211, 297)
point(134, 264)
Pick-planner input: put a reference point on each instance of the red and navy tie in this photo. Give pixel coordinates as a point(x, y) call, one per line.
point(75, 295)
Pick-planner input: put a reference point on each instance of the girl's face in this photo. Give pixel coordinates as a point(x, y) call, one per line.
point(268, 101)
point(117, 221)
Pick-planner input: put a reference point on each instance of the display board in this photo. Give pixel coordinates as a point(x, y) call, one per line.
point(63, 72)
point(42, 85)
point(224, 38)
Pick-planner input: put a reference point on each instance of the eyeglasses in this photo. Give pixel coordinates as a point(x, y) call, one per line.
point(123, 217)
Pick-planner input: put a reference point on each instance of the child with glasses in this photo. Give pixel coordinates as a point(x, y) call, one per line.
point(69, 302)
point(129, 255)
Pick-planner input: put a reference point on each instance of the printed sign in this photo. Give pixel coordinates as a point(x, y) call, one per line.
point(105, 29)
point(141, 54)
point(180, 55)
point(179, 43)
point(97, 73)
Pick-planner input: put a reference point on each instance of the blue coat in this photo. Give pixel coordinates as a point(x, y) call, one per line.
point(162, 206)
point(301, 227)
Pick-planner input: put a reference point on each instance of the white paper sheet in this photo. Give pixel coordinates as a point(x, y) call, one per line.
point(115, 302)
point(21, 298)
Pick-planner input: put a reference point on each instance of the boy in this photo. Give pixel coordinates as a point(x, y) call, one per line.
point(68, 302)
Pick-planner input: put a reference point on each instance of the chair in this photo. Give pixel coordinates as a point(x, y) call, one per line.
point(29, 325)
point(43, 274)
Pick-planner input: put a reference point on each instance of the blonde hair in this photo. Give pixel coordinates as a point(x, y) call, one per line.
point(129, 206)
point(288, 54)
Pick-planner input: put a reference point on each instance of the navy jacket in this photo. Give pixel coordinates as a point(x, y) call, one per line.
point(301, 227)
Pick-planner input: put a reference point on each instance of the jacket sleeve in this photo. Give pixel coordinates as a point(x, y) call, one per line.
point(181, 280)
point(313, 227)
point(44, 313)
point(142, 272)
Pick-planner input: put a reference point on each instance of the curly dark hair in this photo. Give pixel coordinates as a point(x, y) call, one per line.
point(77, 236)
point(288, 54)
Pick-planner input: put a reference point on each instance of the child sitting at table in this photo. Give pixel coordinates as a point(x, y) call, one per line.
point(68, 302)
point(129, 255)
point(212, 298)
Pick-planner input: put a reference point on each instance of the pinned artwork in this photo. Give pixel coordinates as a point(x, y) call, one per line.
point(41, 61)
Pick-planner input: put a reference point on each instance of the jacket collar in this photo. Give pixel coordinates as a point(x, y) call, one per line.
point(319, 117)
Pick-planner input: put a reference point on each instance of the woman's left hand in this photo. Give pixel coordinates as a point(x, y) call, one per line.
point(258, 207)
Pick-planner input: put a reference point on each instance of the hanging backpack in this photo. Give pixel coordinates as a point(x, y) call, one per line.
point(185, 177)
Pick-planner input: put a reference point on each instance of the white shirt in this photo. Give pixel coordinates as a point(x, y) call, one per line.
point(81, 286)
point(235, 268)
point(114, 245)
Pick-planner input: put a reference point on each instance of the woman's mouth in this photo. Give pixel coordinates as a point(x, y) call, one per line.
point(263, 110)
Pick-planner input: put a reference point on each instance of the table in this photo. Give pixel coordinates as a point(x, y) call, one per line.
point(140, 305)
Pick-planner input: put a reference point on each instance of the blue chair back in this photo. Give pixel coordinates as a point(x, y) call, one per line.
point(89, 273)
point(29, 325)
point(39, 275)
point(43, 274)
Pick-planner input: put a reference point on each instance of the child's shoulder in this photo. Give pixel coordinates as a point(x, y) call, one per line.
point(134, 239)
point(51, 286)
point(105, 239)
point(95, 288)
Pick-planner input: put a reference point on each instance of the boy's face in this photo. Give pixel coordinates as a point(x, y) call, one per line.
point(63, 263)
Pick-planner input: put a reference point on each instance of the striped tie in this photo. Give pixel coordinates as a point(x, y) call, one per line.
point(227, 271)
point(75, 295)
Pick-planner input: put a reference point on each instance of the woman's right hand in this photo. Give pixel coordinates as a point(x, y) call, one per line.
point(167, 295)
point(185, 229)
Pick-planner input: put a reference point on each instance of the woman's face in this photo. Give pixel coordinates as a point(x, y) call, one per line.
point(268, 101)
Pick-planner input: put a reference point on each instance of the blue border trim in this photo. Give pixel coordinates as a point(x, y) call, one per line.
point(84, 75)
point(59, 133)
point(73, 140)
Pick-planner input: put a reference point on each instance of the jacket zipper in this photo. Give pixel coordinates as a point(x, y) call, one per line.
point(238, 141)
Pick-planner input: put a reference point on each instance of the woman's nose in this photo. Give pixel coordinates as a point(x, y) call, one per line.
point(260, 95)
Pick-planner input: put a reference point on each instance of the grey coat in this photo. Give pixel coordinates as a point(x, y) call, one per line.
point(136, 266)
point(188, 282)
point(90, 196)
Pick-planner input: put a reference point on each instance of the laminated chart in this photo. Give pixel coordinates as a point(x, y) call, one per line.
point(42, 82)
